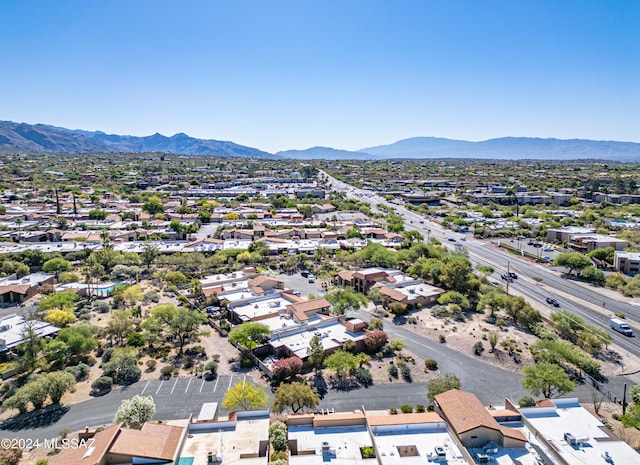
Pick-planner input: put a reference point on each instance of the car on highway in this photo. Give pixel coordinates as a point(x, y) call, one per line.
point(451, 239)
point(546, 258)
point(552, 301)
point(530, 243)
point(547, 249)
point(421, 221)
point(305, 273)
point(507, 278)
point(311, 278)
point(513, 275)
point(537, 245)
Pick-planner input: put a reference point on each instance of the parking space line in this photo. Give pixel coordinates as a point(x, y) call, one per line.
point(145, 388)
point(161, 383)
point(244, 380)
point(230, 379)
point(202, 385)
point(174, 385)
point(215, 386)
point(188, 384)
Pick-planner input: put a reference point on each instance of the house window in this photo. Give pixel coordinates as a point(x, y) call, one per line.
point(474, 437)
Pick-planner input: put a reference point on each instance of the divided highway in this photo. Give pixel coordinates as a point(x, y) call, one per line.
point(577, 298)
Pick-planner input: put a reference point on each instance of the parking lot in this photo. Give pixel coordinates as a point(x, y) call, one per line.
point(299, 283)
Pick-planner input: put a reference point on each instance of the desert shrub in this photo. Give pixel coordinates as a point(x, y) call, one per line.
point(406, 408)
point(526, 401)
point(278, 436)
point(279, 457)
point(406, 373)
point(368, 452)
point(79, 371)
point(196, 351)
point(106, 354)
point(430, 364)
point(102, 307)
point(420, 408)
point(166, 371)
point(364, 376)
point(393, 370)
point(102, 384)
point(10, 456)
point(247, 362)
point(478, 348)
point(151, 296)
point(151, 364)
point(393, 411)
point(129, 374)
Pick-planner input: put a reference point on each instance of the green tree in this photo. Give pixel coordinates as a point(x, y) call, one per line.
point(572, 261)
point(456, 275)
point(78, 339)
point(132, 294)
point(344, 299)
point(341, 362)
point(443, 384)
point(315, 352)
point(547, 379)
point(97, 214)
point(181, 323)
point(63, 300)
point(245, 395)
point(153, 205)
point(248, 335)
point(119, 367)
point(120, 325)
point(149, 253)
point(135, 412)
point(57, 383)
point(295, 397)
point(56, 265)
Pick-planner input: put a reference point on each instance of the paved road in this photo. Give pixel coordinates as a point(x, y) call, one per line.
point(582, 298)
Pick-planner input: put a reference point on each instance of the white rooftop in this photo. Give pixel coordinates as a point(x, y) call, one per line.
point(13, 328)
point(423, 441)
point(256, 308)
point(591, 439)
point(332, 334)
point(344, 444)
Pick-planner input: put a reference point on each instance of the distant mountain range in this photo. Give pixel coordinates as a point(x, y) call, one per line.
point(21, 137)
point(29, 138)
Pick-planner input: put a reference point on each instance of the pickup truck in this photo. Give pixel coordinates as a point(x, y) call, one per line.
point(618, 325)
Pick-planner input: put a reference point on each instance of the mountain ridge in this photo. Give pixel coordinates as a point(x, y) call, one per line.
point(35, 138)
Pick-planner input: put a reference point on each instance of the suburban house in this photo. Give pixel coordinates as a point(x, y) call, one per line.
point(472, 423)
point(17, 290)
point(153, 444)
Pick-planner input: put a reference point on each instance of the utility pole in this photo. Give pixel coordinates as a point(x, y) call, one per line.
point(624, 400)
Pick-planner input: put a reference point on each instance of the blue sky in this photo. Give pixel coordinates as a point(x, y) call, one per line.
point(348, 74)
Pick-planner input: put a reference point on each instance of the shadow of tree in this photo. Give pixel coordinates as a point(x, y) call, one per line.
point(320, 384)
point(36, 419)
